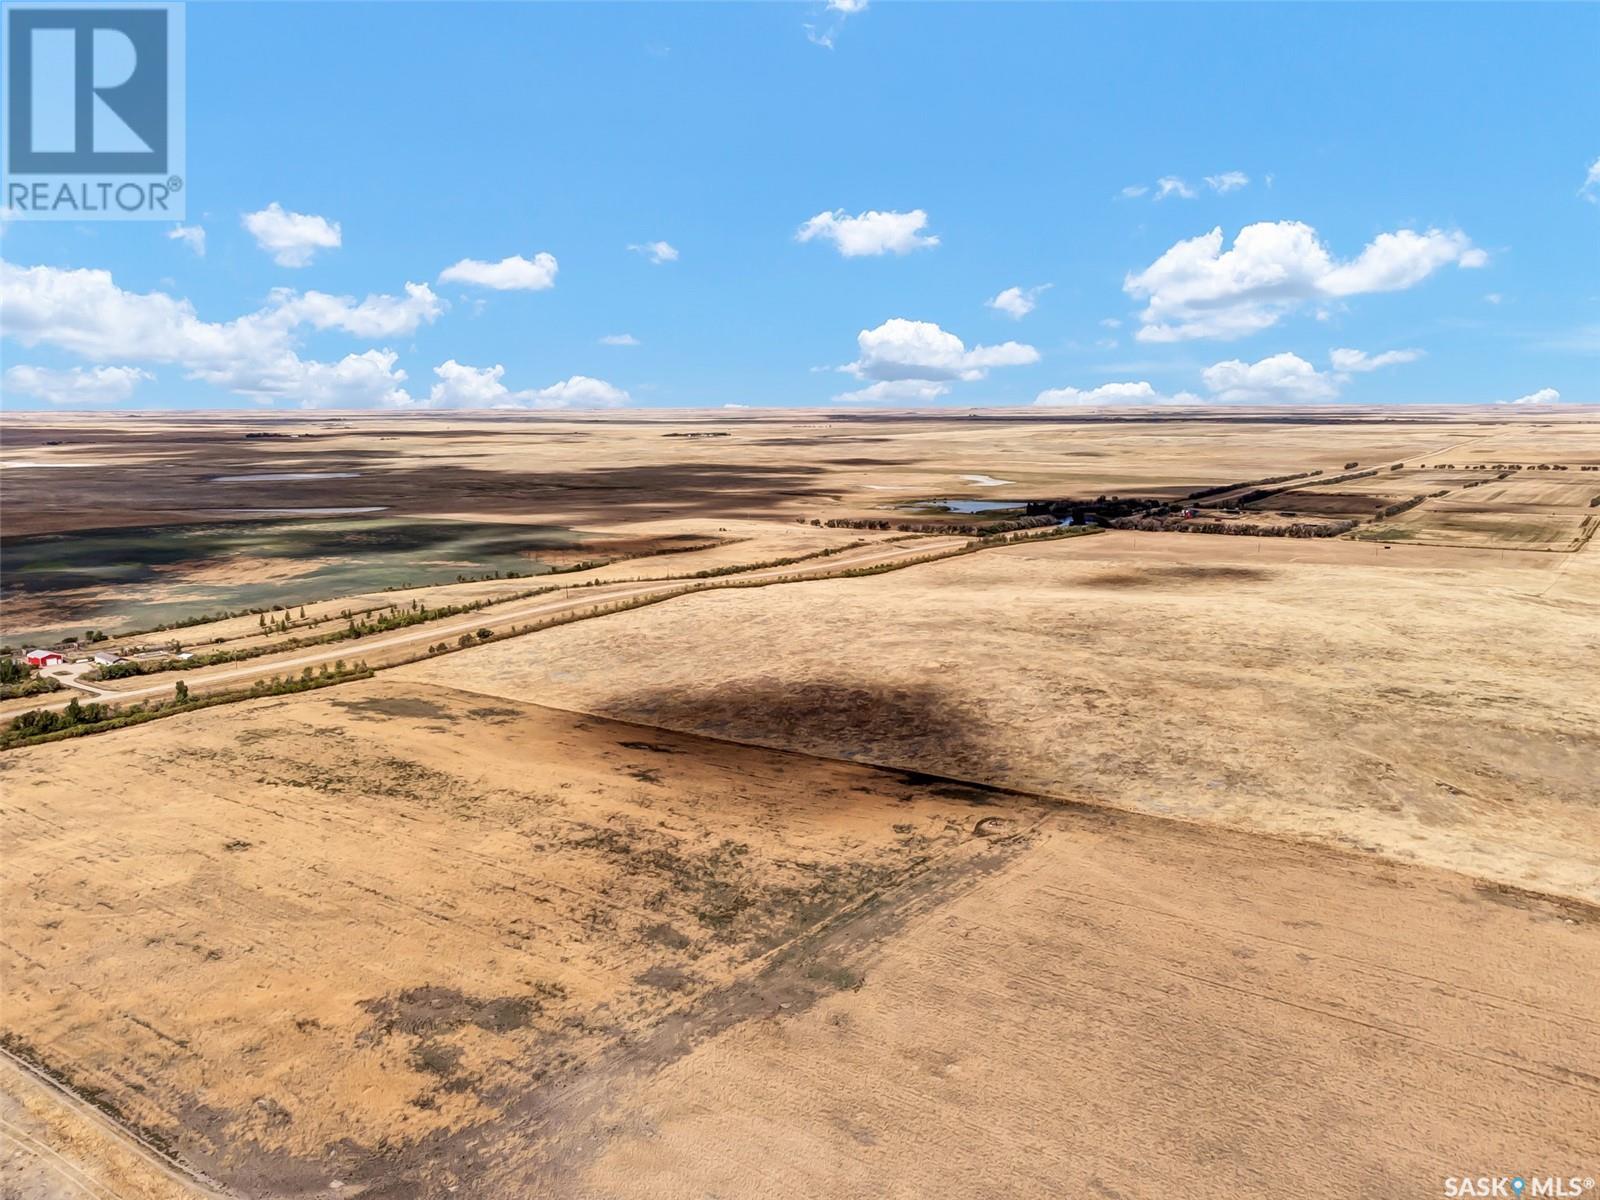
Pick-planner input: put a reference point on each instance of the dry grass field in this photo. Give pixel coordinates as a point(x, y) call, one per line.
point(390, 953)
point(1127, 865)
point(1436, 706)
point(334, 933)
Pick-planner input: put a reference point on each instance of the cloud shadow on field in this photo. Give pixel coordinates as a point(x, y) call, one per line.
point(852, 719)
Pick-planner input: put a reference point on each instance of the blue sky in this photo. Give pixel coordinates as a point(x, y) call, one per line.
point(1410, 182)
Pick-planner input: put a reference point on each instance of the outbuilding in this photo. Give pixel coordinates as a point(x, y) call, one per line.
point(44, 658)
point(106, 658)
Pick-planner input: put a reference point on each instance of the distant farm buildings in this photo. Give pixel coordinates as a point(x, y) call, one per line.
point(44, 658)
point(106, 659)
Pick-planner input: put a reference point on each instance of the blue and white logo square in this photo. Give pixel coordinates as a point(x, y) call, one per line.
point(93, 112)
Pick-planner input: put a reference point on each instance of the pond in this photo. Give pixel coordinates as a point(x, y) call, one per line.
point(965, 506)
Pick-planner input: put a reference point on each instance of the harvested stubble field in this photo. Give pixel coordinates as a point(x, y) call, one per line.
point(1529, 511)
point(1138, 864)
point(415, 945)
point(347, 939)
point(1429, 704)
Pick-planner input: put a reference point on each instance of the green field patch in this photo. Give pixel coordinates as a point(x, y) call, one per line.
point(139, 577)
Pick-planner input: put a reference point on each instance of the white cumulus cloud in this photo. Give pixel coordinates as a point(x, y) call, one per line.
point(84, 312)
point(355, 381)
point(1176, 185)
point(920, 350)
point(83, 387)
point(895, 391)
point(912, 362)
point(1590, 190)
point(374, 317)
point(1199, 290)
point(1542, 396)
point(292, 238)
point(1279, 379)
point(461, 386)
point(1018, 302)
point(1228, 181)
point(514, 274)
point(870, 233)
point(192, 236)
point(839, 10)
point(580, 391)
point(1360, 360)
point(1112, 395)
point(619, 339)
point(656, 252)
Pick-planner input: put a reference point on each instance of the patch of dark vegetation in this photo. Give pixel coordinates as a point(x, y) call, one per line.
point(753, 904)
point(664, 934)
point(845, 718)
point(395, 706)
point(929, 523)
point(19, 679)
point(427, 1011)
point(840, 979)
point(75, 569)
point(79, 720)
point(437, 1058)
point(494, 715)
point(275, 1115)
point(652, 747)
point(237, 844)
point(967, 793)
point(1157, 576)
point(1288, 529)
point(666, 979)
point(1323, 504)
point(363, 771)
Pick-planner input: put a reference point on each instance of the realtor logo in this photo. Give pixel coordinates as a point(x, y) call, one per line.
point(93, 121)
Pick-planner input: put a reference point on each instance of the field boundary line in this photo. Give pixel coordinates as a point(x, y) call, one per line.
point(169, 1165)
